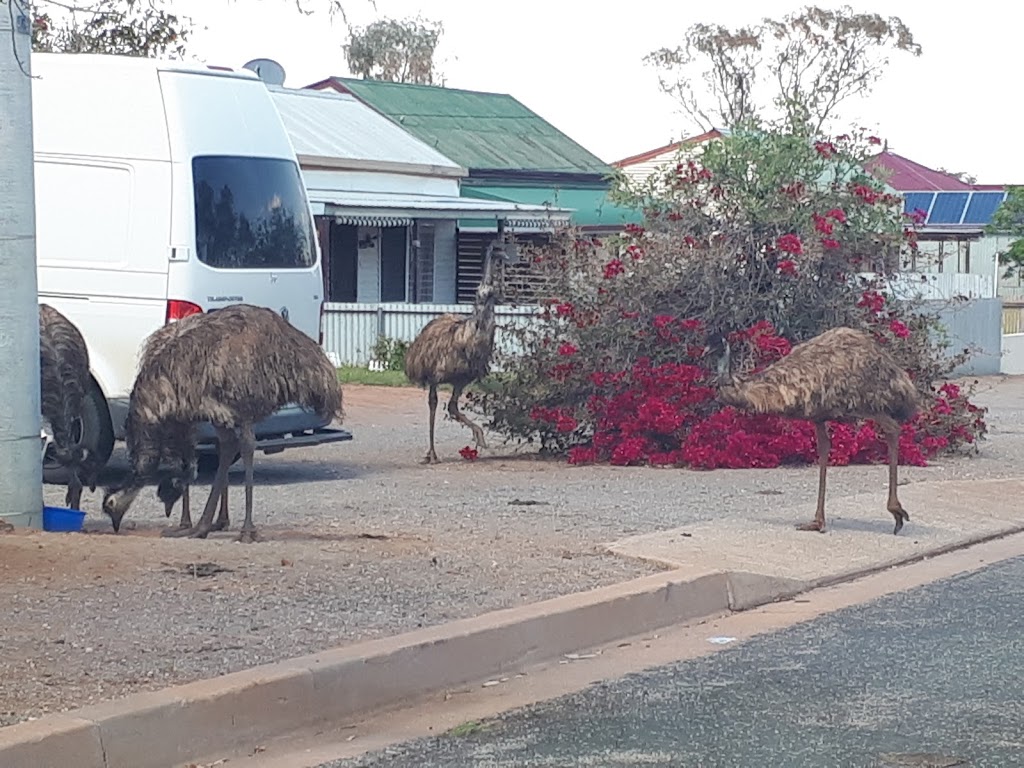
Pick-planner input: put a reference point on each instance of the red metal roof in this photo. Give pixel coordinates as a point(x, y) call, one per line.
point(714, 133)
point(907, 176)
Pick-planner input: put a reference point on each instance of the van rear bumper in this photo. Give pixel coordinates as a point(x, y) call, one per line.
point(290, 427)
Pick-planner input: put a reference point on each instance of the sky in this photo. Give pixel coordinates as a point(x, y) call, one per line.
point(581, 68)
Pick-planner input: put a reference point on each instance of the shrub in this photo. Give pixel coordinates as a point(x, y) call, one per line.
point(390, 353)
point(766, 239)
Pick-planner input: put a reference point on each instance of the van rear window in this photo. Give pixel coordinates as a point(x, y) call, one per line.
point(251, 213)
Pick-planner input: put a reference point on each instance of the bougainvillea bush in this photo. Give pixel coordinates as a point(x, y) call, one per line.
point(766, 240)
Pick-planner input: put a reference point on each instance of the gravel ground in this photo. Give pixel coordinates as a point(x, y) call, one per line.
point(361, 541)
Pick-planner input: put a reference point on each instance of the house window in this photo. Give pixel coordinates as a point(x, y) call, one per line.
point(521, 284)
point(341, 259)
point(421, 276)
point(394, 259)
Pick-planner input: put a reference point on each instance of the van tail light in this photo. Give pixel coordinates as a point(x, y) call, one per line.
point(321, 323)
point(178, 310)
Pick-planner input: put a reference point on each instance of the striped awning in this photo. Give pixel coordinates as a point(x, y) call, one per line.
point(374, 221)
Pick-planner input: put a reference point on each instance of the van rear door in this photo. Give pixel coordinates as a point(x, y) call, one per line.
point(241, 225)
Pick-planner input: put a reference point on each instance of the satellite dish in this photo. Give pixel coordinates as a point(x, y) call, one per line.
point(268, 70)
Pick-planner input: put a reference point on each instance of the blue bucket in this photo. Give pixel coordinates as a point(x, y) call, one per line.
point(58, 519)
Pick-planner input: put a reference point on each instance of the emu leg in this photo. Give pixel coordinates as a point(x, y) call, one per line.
point(186, 510)
point(226, 444)
point(431, 457)
point(73, 499)
point(892, 439)
point(223, 522)
point(247, 446)
point(824, 446)
point(455, 413)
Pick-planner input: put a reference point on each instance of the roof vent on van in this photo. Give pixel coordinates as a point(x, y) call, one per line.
point(268, 70)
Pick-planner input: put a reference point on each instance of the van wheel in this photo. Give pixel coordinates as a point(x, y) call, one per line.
point(98, 437)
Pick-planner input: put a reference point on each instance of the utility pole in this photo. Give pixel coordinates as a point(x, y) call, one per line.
point(21, 481)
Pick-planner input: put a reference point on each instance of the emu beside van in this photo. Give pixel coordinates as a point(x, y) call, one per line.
point(164, 189)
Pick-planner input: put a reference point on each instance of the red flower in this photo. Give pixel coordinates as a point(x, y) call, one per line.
point(918, 216)
point(613, 268)
point(872, 301)
point(838, 214)
point(564, 309)
point(790, 244)
point(691, 324)
point(469, 454)
point(822, 224)
point(633, 229)
point(866, 193)
point(825, 148)
point(874, 140)
point(636, 252)
point(829, 242)
point(899, 330)
point(787, 267)
point(663, 321)
point(565, 349)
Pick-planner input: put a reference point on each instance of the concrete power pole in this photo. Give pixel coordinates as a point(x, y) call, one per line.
point(21, 482)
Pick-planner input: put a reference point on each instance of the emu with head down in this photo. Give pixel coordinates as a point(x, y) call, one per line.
point(841, 375)
point(232, 367)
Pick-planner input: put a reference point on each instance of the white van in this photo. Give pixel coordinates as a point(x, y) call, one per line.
point(164, 189)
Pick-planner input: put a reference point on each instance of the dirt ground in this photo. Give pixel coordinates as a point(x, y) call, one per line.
point(359, 540)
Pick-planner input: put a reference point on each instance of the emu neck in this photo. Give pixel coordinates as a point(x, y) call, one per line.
point(483, 315)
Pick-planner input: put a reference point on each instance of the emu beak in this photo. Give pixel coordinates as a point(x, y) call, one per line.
point(115, 520)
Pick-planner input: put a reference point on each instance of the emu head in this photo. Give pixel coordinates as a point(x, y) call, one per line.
point(116, 502)
point(487, 291)
point(169, 490)
point(719, 347)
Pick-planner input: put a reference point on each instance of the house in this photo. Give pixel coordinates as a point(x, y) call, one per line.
point(638, 168)
point(385, 207)
point(512, 155)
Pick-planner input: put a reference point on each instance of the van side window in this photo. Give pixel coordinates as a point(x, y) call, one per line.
point(251, 213)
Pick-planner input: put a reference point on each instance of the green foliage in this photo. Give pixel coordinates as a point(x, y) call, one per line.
point(122, 27)
point(390, 352)
point(396, 51)
point(1009, 221)
point(762, 227)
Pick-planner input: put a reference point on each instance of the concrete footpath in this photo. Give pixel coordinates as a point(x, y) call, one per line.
point(715, 568)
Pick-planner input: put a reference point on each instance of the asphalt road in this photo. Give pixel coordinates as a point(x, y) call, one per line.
point(928, 677)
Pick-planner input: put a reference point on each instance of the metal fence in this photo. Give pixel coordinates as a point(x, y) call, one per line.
point(351, 330)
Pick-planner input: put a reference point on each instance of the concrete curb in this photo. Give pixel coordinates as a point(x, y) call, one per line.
point(236, 711)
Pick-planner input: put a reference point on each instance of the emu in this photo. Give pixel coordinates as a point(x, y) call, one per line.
point(456, 349)
point(232, 367)
point(841, 375)
point(64, 377)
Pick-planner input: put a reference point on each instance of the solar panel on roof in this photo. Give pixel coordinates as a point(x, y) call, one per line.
point(982, 207)
point(948, 208)
point(914, 200)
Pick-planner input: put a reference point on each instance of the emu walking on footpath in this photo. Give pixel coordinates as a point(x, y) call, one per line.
point(232, 367)
point(841, 375)
point(64, 376)
point(456, 349)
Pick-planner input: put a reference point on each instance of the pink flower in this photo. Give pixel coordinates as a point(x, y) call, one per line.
point(787, 267)
point(790, 244)
point(565, 349)
point(838, 214)
point(564, 309)
point(899, 330)
point(822, 224)
point(613, 268)
point(829, 242)
point(469, 454)
point(663, 321)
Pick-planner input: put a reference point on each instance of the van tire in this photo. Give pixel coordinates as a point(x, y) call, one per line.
point(98, 437)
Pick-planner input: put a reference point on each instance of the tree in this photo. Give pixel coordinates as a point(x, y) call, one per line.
point(795, 71)
point(1008, 221)
point(766, 239)
point(397, 51)
point(124, 27)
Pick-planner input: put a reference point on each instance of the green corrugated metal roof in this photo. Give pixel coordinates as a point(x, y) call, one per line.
point(591, 205)
point(477, 130)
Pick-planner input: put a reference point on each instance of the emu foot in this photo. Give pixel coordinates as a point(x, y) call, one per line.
point(6, 527)
point(248, 536)
point(220, 524)
point(814, 525)
point(198, 532)
point(478, 438)
point(430, 458)
point(901, 515)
